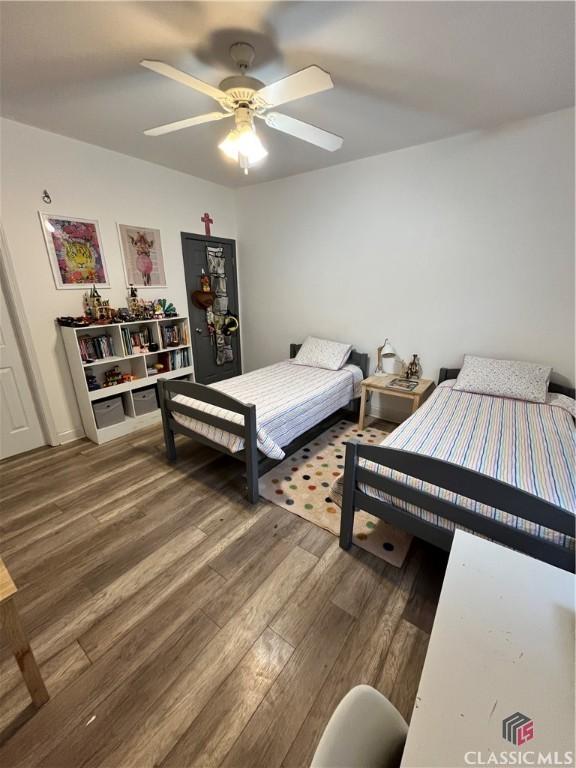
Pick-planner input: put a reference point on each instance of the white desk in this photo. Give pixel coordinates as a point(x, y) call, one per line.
point(502, 642)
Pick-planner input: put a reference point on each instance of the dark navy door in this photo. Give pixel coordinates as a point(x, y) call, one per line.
point(212, 363)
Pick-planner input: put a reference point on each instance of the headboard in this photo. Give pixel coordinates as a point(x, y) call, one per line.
point(356, 358)
point(452, 373)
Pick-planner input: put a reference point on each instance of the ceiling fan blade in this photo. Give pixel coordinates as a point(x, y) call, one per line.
point(210, 117)
point(183, 77)
point(303, 83)
point(304, 131)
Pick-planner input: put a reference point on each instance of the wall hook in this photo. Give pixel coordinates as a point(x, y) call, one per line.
point(46, 197)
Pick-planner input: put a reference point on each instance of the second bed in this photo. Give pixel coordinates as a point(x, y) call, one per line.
point(495, 466)
point(262, 416)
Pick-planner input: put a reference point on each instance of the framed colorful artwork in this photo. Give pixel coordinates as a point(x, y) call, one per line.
point(75, 251)
point(142, 256)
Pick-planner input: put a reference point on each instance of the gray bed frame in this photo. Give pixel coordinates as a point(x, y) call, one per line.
point(256, 463)
point(452, 477)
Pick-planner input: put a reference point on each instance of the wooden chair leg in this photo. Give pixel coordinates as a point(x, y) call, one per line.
point(14, 632)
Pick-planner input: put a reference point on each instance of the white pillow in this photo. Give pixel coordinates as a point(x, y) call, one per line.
point(504, 378)
point(320, 353)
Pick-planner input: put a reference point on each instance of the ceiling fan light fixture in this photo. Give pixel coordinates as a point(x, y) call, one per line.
point(228, 146)
point(243, 145)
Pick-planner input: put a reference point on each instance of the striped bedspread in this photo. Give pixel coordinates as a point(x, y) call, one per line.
point(289, 400)
point(528, 445)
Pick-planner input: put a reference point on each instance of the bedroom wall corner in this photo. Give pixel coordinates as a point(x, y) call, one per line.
point(461, 245)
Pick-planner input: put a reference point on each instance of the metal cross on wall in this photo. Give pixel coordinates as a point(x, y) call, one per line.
point(207, 221)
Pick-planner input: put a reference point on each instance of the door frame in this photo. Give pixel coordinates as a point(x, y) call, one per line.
point(232, 243)
point(15, 306)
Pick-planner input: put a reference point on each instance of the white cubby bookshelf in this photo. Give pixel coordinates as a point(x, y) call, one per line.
point(136, 363)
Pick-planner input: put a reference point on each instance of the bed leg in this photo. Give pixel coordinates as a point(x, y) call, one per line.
point(347, 512)
point(355, 409)
point(251, 452)
point(170, 444)
point(168, 434)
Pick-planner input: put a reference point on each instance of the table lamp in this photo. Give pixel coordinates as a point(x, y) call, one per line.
point(386, 359)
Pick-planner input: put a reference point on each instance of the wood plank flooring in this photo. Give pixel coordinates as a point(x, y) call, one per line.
point(176, 625)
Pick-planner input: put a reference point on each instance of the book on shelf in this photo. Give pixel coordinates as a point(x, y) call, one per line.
point(136, 340)
point(179, 358)
point(95, 347)
point(127, 340)
point(174, 335)
point(403, 385)
point(174, 359)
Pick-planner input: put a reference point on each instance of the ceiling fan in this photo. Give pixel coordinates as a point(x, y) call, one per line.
point(245, 98)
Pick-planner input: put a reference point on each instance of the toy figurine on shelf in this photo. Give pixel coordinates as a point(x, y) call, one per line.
point(128, 377)
point(107, 313)
point(90, 300)
point(133, 301)
point(123, 315)
point(112, 377)
point(74, 322)
point(147, 310)
point(91, 380)
point(97, 309)
point(168, 308)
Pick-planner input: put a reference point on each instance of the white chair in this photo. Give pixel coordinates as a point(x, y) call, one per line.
point(365, 731)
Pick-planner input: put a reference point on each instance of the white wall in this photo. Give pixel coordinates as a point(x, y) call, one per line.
point(462, 245)
point(92, 183)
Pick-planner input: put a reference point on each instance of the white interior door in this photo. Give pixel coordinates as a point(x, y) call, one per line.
point(20, 428)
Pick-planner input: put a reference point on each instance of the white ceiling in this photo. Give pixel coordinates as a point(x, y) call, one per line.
point(405, 72)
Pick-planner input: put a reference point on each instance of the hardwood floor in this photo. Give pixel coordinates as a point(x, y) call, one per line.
point(176, 625)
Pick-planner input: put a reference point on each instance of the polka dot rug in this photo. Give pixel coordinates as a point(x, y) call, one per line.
point(302, 482)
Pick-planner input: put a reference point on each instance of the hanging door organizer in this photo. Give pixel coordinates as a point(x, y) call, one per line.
point(221, 323)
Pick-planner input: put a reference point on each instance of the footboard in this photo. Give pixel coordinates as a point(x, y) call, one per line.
point(359, 481)
point(244, 428)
